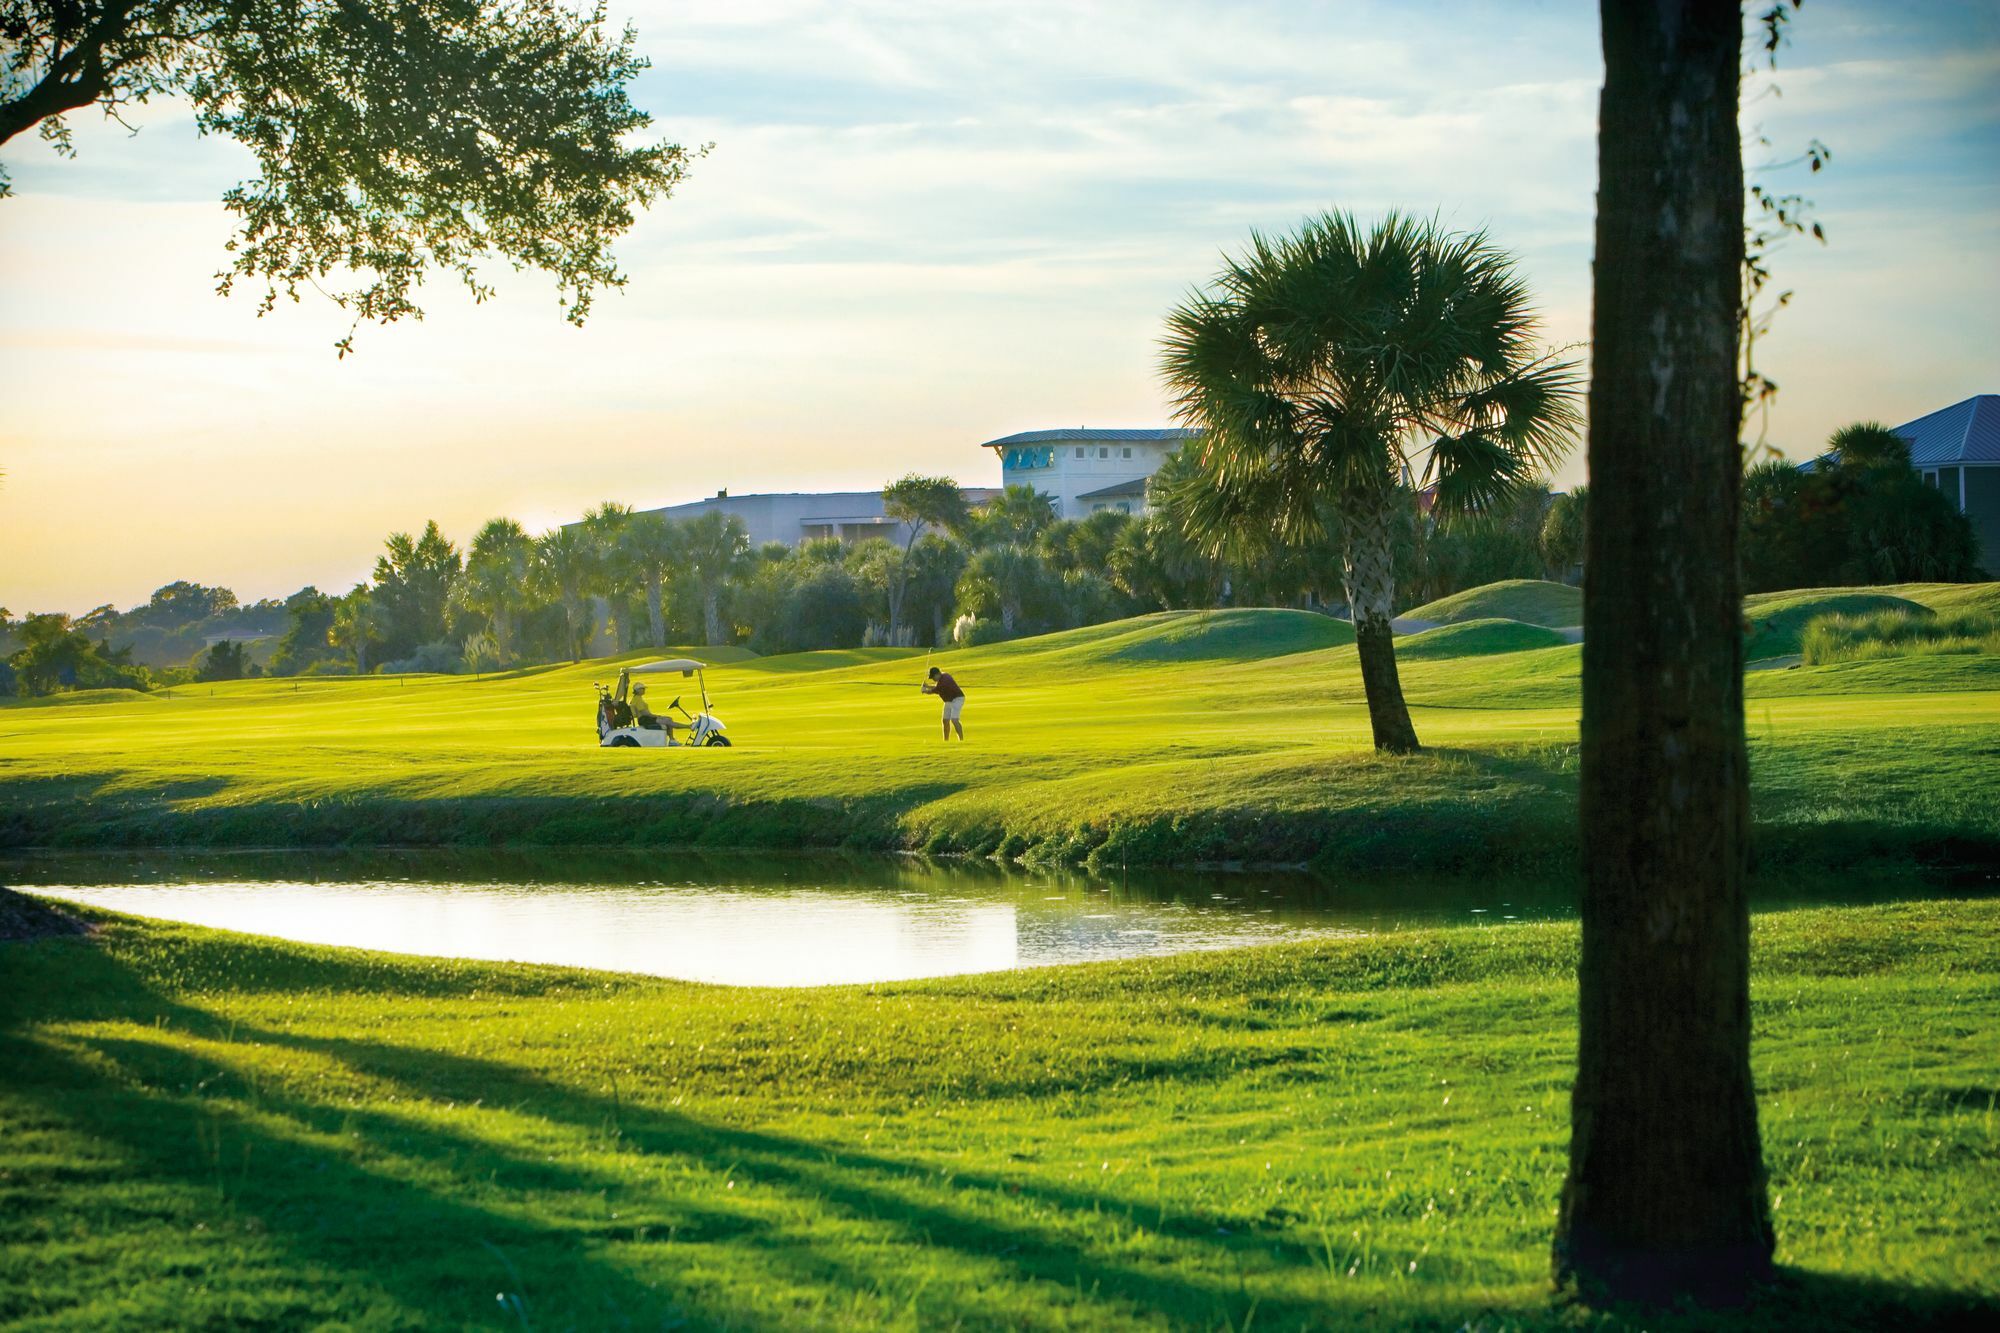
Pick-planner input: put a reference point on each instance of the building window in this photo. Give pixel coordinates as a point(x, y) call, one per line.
point(1930, 479)
point(1103, 452)
point(1124, 508)
point(1079, 451)
point(1126, 452)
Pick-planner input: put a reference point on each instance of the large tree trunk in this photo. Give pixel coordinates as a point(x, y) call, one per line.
point(1666, 1189)
point(1369, 572)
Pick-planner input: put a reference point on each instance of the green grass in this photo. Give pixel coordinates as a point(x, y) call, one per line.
point(1531, 601)
point(1473, 638)
point(1776, 621)
point(1849, 638)
point(1235, 736)
point(200, 1129)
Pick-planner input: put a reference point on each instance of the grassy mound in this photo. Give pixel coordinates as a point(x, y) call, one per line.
point(1776, 621)
point(1531, 601)
point(1476, 638)
point(208, 1130)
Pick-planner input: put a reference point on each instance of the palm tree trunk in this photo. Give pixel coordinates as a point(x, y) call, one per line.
point(711, 612)
point(1007, 617)
point(1666, 1189)
point(1369, 572)
point(901, 587)
point(654, 617)
point(503, 634)
point(569, 626)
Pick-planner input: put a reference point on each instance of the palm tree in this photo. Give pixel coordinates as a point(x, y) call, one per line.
point(717, 549)
point(495, 583)
point(1001, 578)
point(565, 567)
point(1868, 444)
point(605, 526)
point(650, 548)
point(1322, 367)
point(1016, 516)
point(919, 502)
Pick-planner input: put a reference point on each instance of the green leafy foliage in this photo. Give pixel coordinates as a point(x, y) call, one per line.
point(1859, 515)
point(392, 137)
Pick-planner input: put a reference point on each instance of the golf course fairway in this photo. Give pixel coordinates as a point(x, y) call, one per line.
point(1235, 736)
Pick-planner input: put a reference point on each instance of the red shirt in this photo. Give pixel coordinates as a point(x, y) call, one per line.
point(946, 688)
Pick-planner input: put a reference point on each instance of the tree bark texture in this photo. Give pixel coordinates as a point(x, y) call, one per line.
point(1666, 1190)
point(656, 619)
point(711, 613)
point(1368, 569)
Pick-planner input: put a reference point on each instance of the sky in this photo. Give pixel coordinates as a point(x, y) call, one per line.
point(921, 227)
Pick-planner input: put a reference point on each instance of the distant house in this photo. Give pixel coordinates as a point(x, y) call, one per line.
point(1957, 450)
point(795, 516)
point(1087, 471)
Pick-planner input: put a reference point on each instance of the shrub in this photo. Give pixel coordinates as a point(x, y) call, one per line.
point(443, 658)
point(1897, 634)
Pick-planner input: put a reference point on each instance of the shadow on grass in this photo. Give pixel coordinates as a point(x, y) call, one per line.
point(581, 1208)
point(435, 1219)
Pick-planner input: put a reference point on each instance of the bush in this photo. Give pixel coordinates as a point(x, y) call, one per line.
point(1897, 634)
point(971, 631)
point(442, 658)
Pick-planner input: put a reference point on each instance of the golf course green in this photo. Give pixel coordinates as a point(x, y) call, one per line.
point(1234, 736)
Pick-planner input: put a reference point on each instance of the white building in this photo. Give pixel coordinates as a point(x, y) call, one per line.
point(1087, 471)
point(802, 516)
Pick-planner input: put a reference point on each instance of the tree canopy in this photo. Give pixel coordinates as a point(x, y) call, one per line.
point(392, 137)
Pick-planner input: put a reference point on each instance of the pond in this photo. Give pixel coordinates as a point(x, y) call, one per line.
point(794, 921)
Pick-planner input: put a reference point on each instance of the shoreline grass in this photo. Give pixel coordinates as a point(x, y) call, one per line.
point(220, 1130)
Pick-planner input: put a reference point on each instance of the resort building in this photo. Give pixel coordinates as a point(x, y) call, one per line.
point(1087, 471)
point(1083, 471)
point(1957, 450)
point(796, 516)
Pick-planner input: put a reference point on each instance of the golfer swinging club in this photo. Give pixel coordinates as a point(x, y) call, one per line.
point(944, 687)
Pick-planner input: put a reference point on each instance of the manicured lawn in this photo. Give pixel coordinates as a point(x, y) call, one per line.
point(1215, 736)
point(208, 1130)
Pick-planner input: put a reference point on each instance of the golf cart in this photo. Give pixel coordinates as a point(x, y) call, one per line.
point(618, 725)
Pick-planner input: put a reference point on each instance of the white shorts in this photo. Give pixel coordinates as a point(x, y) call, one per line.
point(953, 707)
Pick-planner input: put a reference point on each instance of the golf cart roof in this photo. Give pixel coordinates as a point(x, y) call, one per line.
point(687, 666)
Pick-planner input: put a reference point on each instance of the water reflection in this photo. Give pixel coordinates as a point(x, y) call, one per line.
point(793, 921)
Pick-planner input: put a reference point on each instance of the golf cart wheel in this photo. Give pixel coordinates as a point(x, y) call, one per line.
point(718, 739)
point(620, 742)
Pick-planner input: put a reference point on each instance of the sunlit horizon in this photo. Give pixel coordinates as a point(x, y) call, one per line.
point(919, 230)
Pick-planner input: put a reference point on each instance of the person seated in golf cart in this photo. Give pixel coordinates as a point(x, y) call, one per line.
point(644, 716)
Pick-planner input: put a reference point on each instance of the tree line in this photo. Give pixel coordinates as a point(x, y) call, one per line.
point(963, 574)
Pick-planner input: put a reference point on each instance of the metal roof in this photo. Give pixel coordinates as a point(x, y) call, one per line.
point(1149, 435)
point(1123, 490)
point(1967, 432)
